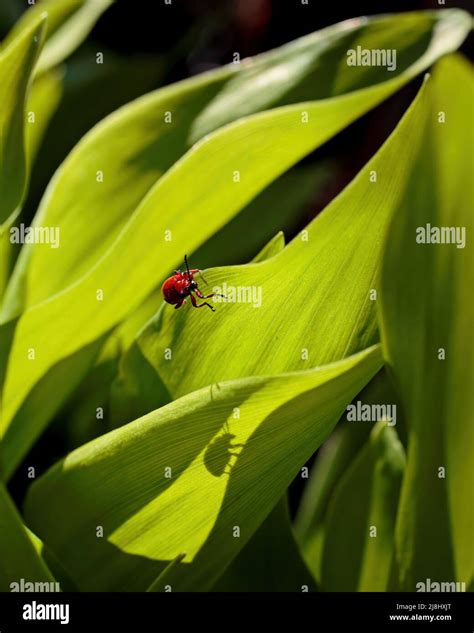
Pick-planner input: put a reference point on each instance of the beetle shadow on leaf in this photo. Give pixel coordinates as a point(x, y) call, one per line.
point(219, 454)
point(269, 437)
point(107, 566)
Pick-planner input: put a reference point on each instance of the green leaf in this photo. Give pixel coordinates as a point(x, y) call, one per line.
point(104, 87)
point(355, 558)
point(127, 181)
point(277, 207)
point(266, 144)
point(39, 408)
point(273, 547)
point(69, 23)
point(320, 265)
point(43, 99)
point(149, 519)
point(137, 388)
point(315, 66)
point(153, 145)
point(312, 301)
point(426, 315)
point(19, 557)
point(332, 461)
point(17, 60)
point(129, 170)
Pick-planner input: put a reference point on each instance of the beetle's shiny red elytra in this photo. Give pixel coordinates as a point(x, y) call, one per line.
point(181, 285)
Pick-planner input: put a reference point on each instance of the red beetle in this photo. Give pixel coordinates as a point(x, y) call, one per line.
point(181, 285)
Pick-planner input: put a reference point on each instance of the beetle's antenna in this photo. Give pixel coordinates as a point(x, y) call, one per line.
point(187, 267)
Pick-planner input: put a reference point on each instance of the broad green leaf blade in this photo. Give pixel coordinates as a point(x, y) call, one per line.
point(17, 61)
point(272, 548)
point(113, 167)
point(266, 145)
point(278, 207)
point(360, 523)
point(332, 461)
point(69, 23)
point(137, 388)
point(19, 557)
point(124, 187)
point(104, 87)
point(134, 147)
point(16, 64)
point(151, 514)
point(316, 66)
point(39, 408)
point(308, 305)
point(43, 100)
point(426, 314)
point(153, 347)
point(270, 561)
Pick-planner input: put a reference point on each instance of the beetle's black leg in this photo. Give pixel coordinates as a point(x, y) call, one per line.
point(178, 305)
point(193, 301)
point(201, 296)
